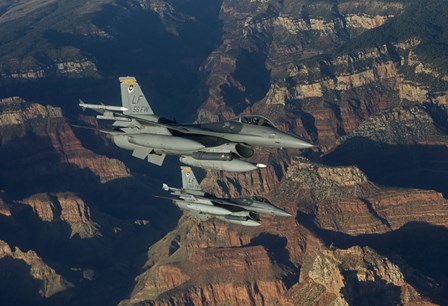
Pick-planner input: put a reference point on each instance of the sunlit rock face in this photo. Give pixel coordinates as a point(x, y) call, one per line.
point(364, 80)
point(46, 141)
point(352, 276)
point(38, 281)
point(342, 199)
point(65, 207)
point(320, 93)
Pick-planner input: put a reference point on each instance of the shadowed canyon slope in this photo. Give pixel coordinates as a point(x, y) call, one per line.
point(61, 207)
point(365, 80)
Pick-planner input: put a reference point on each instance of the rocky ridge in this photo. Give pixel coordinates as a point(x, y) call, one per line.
point(352, 276)
point(4, 208)
point(78, 68)
point(403, 147)
point(323, 90)
point(43, 19)
point(191, 263)
point(67, 208)
point(289, 41)
point(314, 75)
point(48, 282)
point(328, 200)
point(22, 120)
point(59, 204)
point(345, 201)
point(405, 125)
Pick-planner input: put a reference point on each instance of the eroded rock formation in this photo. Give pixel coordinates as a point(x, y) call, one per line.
point(49, 138)
point(37, 279)
point(370, 213)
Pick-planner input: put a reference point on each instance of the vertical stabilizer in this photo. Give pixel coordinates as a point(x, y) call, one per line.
point(133, 98)
point(189, 180)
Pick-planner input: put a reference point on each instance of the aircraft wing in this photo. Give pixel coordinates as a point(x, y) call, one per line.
point(186, 129)
point(97, 130)
point(225, 202)
point(188, 197)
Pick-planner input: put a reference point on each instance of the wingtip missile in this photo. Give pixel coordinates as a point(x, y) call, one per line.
point(102, 107)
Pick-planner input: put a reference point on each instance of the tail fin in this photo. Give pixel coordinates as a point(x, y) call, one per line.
point(133, 98)
point(189, 180)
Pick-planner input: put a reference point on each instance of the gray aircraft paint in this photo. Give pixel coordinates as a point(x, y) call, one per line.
point(189, 181)
point(218, 145)
point(243, 211)
point(133, 98)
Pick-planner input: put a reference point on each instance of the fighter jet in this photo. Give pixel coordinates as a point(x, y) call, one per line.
point(244, 211)
point(218, 145)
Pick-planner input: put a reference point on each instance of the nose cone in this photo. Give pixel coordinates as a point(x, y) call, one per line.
point(293, 142)
point(281, 213)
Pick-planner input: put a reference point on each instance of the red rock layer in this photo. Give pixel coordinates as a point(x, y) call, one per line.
point(66, 207)
point(20, 119)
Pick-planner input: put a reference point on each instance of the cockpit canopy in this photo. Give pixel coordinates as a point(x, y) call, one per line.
point(250, 200)
point(260, 199)
point(255, 120)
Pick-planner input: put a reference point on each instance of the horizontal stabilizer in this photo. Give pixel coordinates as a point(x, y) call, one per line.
point(141, 152)
point(156, 159)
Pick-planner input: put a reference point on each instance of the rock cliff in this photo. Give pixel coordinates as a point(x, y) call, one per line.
point(315, 80)
point(286, 262)
point(28, 28)
point(4, 208)
point(353, 276)
point(43, 128)
point(37, 279)
point(212, 262)
point(327, 93)
point(342, 199)
point(403, 147)
point(67, 208)
point(365, 80)
point(60, 200)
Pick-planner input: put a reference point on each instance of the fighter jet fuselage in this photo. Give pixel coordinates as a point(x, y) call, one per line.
point(244, 211)
point(219, 145)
